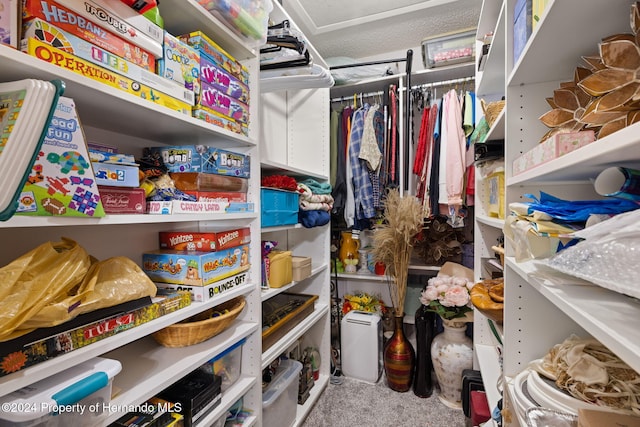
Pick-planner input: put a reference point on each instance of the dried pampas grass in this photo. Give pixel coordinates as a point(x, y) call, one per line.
point(393, 242)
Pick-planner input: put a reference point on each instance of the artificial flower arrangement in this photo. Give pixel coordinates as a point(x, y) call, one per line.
point(449, 296)
point(362, 301)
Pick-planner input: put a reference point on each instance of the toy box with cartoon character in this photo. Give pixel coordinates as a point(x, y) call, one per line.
point(194, 268)
point(180, 63)
point(215, 240)
point(62, 181)
point(202, 158)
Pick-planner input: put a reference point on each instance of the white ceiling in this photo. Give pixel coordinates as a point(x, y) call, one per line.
point(368, 28)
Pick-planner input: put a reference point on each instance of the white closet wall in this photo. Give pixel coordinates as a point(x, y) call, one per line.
point(539, 315)
point(294, 141)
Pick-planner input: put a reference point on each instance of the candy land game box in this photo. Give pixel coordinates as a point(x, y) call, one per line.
point(62, 182)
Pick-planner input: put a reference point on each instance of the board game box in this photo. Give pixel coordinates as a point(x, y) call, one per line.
point(214, 99)
point(69, 21)
point(48, 33)
point(216, 54)
point(215, 240)
point(180, 63)
point(47, 343)
point(206, 293)
point(85, 12)
point(217, 119)
point(202, 158)
point(62, 182)
point(78, 65)
point(194, 268)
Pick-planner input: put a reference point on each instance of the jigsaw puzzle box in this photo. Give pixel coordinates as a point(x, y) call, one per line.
point(62, 182)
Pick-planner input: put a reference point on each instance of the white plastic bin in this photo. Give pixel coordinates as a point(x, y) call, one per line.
point(78, 395)
point(280, 398)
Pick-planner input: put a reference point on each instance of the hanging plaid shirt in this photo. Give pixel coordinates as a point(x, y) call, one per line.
point(362, 189)
point(378, 127)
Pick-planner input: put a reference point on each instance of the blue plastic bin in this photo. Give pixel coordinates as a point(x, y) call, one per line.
point(278, 207)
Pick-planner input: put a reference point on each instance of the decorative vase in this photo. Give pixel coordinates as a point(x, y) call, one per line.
point(348, 247)
point(451, 353)
point(399, 359)
point(425, 322)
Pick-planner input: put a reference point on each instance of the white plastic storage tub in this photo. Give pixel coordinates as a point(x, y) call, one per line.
point(280, 398)
point(75, 397)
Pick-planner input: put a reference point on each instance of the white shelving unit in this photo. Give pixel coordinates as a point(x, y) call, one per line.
point(490, 85)
point(295, 142)
point(131, 123)
point(543, 307)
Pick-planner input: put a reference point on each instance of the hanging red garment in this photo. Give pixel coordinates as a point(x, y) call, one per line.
point(425, 178)
point(394, 114)
point(421, 148)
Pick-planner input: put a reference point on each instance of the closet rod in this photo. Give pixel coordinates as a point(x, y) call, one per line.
point(364, 64)
point(444, 82)
point(363, 95)
point(421, 86)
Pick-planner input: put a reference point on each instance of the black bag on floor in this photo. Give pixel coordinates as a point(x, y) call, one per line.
point(471, 381)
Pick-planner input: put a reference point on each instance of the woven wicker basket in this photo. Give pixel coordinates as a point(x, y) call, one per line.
point(492, 110)
point(200, 327)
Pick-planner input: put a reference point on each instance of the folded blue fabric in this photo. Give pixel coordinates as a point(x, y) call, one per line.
point(578, 210)
point(317, 187)
point(310, 219)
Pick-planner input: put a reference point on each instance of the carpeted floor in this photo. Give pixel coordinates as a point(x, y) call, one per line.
point(358, 404)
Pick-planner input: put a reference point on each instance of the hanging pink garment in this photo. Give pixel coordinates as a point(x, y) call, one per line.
point(456, 151)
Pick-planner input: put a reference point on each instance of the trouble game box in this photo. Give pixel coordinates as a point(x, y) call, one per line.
point(79, 26)
point(194, 268)
point(62, 182)
point(85, 12)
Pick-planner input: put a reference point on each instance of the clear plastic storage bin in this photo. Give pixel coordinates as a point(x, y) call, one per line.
point(448, 49)
point(80, 395)
point(227, 365)
point(280, 398)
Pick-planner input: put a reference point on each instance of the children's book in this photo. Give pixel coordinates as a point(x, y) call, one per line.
point(26, 109)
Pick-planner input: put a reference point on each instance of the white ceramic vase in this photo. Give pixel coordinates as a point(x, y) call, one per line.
point(451, 353)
